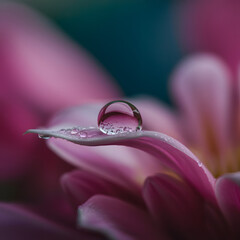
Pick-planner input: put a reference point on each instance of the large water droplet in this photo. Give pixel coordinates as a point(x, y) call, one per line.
point(119, 117)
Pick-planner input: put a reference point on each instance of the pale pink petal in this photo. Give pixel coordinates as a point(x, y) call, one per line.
point(81, 185)
point(44, 67)
point(114, 163)
point(228, 196)
point(118, 219)
point(19, 224)
point(168, 151)
point(175, 205)
point(202, 88)
point(158, 117)
point(213, 26)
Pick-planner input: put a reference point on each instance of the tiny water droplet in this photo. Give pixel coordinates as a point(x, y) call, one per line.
point(83, 134)
point(62, 130)
point(74, 131)
point(119, 117)
point(43, 136)
point(200, 164)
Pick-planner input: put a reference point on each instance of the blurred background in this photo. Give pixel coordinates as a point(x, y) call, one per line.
point(135, 40)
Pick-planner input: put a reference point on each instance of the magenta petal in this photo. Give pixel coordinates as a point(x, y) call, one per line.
point(116, 218)
point(175, 205)
point(228, 196)
point(81, 185)
point(19, 224)
point(167, 151)
point(42, 66)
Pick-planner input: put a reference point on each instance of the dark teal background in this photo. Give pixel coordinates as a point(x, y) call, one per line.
point(136, 41)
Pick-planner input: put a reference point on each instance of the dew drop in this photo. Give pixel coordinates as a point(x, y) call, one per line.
point(83, 134)
point(43, 136)
point(200, 164)
point(119, 117)
point(74, 131)
point(62, 130)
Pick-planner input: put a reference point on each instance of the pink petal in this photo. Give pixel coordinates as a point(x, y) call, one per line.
point(212, 26)
point(201, 86)
point(42, 66)
point(228, 196)
point(81, 185)
point(17, 223)
point(116, 218)
point(158, 117)
point(175, 205)
point(167, 150)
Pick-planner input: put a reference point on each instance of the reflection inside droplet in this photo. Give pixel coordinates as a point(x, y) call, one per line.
point(119, 117)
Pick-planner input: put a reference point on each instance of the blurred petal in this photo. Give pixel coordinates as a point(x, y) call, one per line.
point(157, 117)
point(44, 67)
point(174, 204)
point(228, 196)
point(17, 223)
point(202, 87)
point(167, 151)
point(237, 110)
point(212, 26)
point(116, 218)
point(179, 208)
point(15, 119)
point(81, 185)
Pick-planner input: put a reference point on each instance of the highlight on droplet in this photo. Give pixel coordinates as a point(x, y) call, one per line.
point(119, 117)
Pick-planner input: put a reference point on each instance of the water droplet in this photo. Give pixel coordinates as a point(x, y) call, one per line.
point(83, 134)
point(74, 131)
point(62, 130)
point(119, 117)
point(200, 164)
point(43, 136)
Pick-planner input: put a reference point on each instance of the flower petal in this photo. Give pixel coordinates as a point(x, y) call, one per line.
point(42, 66)
point(228, 196)
point(175, 205)
point(81, 185)
point(202, 87)
point(118, 219)
point(17, 223)
point(167, 150)
point(15, 119)
point(216, 31)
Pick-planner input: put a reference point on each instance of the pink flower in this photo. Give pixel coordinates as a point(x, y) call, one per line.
point(158, 189)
